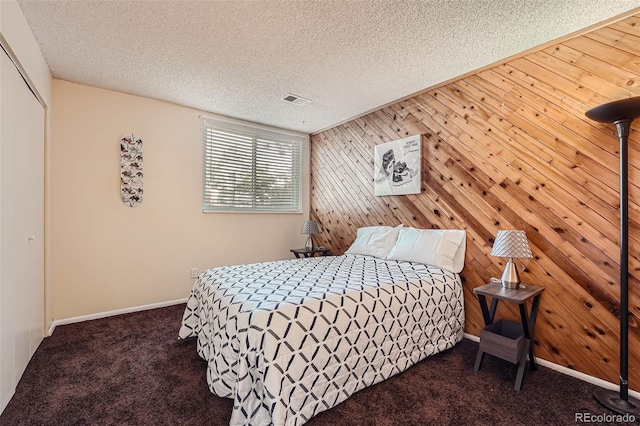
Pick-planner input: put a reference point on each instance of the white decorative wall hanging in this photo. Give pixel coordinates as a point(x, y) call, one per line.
point(397, 166)
point(131, 170)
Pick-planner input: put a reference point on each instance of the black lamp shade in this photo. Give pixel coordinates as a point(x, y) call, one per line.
point(624, 109)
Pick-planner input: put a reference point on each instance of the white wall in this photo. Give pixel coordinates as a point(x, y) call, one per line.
point(106, 256)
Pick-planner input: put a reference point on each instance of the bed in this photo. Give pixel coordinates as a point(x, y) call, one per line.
point(289, 339)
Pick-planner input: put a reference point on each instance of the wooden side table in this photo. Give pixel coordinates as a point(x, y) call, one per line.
point(506, 339)
point(310, 252)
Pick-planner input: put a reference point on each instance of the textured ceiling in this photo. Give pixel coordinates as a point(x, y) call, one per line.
point(240, 58)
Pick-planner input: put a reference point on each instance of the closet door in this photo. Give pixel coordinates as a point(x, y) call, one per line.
point(21, 226)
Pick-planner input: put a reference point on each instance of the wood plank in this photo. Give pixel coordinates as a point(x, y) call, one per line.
point(606, 35)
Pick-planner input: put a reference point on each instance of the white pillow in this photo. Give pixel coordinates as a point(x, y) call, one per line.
point(374, 241)
point(443, 248)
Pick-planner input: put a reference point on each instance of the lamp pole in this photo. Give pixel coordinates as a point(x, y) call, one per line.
point(621, 113)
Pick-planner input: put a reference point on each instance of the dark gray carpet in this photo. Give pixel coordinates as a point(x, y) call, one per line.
point(132, 370)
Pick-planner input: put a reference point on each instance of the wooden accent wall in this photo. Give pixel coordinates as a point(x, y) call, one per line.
point(509, 147)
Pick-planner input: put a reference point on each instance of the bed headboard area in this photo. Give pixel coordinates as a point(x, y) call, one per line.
point(444, 248)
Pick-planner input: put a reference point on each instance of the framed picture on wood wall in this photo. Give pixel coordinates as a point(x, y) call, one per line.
point(397, 167)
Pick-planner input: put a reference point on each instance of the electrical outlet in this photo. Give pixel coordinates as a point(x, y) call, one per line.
point(194, 272)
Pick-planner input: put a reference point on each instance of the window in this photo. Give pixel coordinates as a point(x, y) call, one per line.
point(250, 169)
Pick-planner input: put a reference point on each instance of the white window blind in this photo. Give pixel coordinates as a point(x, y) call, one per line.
point(249, 169)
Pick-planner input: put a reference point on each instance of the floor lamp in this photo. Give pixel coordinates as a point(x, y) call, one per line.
point(621, 113)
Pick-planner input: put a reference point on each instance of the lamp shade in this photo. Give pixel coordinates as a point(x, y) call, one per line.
point(511, 244)
point(310, 227)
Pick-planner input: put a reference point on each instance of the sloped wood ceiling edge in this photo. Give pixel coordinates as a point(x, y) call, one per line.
point(509, 147)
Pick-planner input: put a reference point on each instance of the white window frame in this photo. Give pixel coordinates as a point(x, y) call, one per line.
point(260, 137)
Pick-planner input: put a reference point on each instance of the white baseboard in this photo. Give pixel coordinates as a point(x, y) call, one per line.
point(471, 337)
point(65, 321)
point(573, 373)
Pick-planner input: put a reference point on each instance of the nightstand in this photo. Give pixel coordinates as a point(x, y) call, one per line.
point(505, 339)
point(310, 252)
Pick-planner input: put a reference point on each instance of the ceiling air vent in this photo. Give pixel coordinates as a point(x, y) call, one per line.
point(296, 100)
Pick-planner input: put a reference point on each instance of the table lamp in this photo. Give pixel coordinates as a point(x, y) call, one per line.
point(511, 244)
point(309, 227)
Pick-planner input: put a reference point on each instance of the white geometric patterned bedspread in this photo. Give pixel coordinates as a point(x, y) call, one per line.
point(289, 339)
